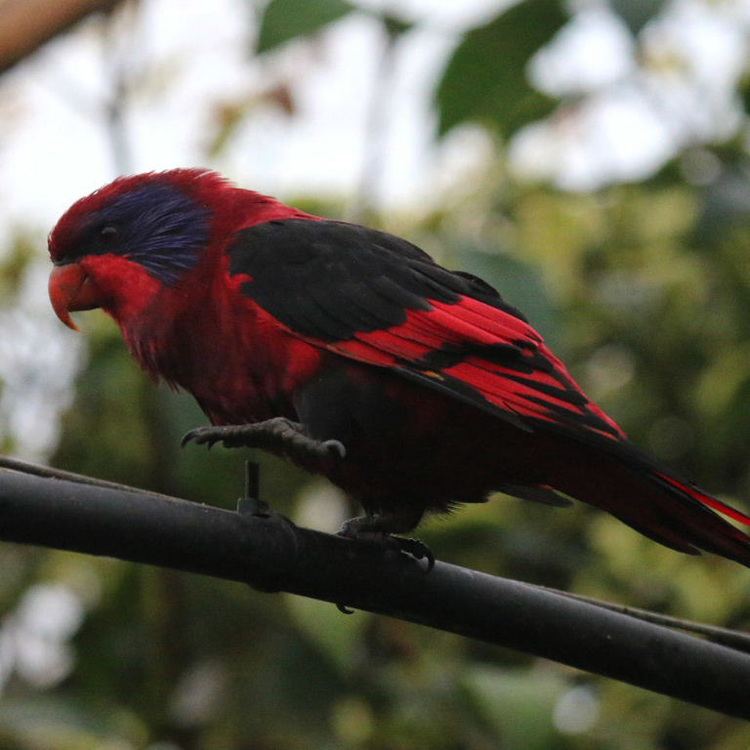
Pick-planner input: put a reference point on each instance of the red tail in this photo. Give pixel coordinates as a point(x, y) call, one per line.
point(702, 497)
point(664, 508)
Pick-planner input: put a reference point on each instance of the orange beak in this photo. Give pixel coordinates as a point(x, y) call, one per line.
point(70, 289)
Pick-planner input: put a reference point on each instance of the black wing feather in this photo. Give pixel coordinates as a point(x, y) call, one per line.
point(374, 276)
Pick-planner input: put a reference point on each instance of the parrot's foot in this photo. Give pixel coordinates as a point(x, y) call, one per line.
point(278, 435)
point(377, 529)
point(368, 528)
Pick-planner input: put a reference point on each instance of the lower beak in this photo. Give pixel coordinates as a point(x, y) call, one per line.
point(70, 289)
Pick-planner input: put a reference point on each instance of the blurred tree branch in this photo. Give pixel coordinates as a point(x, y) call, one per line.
point(272, 554)
point(25, 25)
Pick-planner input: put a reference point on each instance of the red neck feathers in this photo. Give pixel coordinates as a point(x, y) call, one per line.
point(149, 249)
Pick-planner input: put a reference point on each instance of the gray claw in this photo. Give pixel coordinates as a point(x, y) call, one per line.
point(335, 447)
point(198, 437)
point(189, 437)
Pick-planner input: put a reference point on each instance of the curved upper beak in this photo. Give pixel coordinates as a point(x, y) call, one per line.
point(70, 289)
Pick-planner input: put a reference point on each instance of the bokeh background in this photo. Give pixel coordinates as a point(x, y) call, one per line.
point(590, 158)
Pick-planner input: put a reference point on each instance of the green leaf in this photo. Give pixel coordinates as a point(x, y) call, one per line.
point(486, 79)
point(636, 13)
point(284, 20)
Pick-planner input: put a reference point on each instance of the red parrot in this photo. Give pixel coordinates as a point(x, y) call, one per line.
point(350, 351)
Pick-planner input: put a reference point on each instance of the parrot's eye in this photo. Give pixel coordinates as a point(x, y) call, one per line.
point(108, 234)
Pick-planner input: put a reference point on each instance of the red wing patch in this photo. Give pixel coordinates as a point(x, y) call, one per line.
point(486, 356)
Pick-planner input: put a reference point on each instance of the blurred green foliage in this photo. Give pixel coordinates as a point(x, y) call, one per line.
point(285, 20)
point(645, 291)
point(493, 57)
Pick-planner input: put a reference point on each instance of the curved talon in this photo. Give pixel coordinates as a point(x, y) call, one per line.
point(200, 436)
point(418, 550)
point(412, 547)
point(187, 437)
point(194, 436)
point(335, 446)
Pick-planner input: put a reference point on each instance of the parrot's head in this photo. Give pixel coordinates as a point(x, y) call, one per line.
point(134, 239)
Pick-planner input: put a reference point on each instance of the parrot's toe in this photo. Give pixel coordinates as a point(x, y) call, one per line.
point(278, 435)
point(362, 529)
point(199, 435)
point(416, 548)
point(335, 448)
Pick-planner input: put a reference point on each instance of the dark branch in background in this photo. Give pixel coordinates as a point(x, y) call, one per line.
point(25, 25)
point(116, 52)
point(271, 554)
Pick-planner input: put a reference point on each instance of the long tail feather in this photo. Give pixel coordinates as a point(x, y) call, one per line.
point(659, 505)
point(697, 494)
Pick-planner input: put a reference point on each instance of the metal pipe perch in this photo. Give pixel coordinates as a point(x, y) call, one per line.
point(272, 554)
